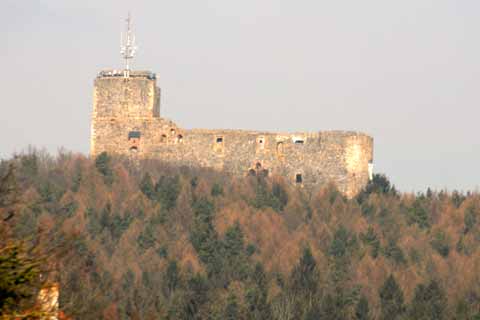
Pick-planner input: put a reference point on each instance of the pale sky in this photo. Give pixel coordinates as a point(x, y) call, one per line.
point(406, 72)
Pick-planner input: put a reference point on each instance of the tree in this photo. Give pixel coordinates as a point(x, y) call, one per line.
point(217, 190)
point(77, 177)
point(20, 270)
point(204, 237)
point(278, 191)
point(341, 243)
point(167, 190)
point(440, 243)
point(146, 186)
point(256, 296)
point(379, 185)
point(371, 238)
point(470, 219)
point(418, 214)
point(305, 276)
point(9, 194)
point(429, 302)
point(391, 300)
point(362, 311)
point(103, 165)
point(21, 263)
point(231, 309)
point(394, 252)
point(171, 278)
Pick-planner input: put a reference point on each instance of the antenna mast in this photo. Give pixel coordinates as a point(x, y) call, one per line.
point(128, 47)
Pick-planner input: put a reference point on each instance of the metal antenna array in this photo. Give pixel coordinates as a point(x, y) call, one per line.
point(128, 47)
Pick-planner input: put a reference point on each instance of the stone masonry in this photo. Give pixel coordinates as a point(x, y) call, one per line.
point(126, 120)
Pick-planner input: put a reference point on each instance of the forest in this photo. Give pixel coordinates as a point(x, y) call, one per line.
point(140, 239)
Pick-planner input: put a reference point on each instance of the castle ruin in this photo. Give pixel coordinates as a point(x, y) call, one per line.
point(126, 120)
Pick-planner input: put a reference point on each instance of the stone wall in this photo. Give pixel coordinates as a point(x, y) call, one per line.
point(126, 120)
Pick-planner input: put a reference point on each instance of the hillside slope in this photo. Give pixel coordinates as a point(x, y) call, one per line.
point(149, 241)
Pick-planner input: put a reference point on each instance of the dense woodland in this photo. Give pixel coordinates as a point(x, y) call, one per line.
point(144, 240)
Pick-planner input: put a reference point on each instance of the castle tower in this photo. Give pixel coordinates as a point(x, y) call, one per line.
point(123, 94)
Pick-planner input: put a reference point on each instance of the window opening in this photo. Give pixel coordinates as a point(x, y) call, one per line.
point(219, 139)
point(298, 178)
point(134, 135)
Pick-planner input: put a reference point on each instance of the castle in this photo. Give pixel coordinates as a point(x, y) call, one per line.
point(126, 120)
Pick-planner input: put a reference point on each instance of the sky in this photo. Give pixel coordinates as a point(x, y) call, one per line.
point(406, 72)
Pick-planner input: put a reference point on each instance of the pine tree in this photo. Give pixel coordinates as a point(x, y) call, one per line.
point(146, 186)
point(257, 295)
point(362, 311)
point(231, 309)
point(304, 277)
point(391, 300)
point(171, 279)
point(103, 165)
point(429, 302)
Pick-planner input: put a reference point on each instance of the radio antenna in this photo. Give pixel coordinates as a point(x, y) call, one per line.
point(128, 46)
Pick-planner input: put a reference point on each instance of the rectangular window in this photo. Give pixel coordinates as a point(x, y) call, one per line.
point(134, 135)
point(219, 139)
point(298, 178)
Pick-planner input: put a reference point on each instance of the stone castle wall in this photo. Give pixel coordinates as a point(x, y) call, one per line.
point(126, 120)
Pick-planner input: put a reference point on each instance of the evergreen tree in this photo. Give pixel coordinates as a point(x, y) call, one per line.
point(470, 219)
point(429, 302)
point(305, 277)
point(231, 309)
point(362, 311)
point(440, 243)
point(329, 309)
point(146, 186)
point(204, 237)
point(197, 290)
point(379, 185)
point(77, 177)
point(234, 254)
point(391, 300)
point(256, 296)
point(418, 214)
point(233, 241)
point(217, 190)
point(167, 190)
point(103, 165)
point(171, 279)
